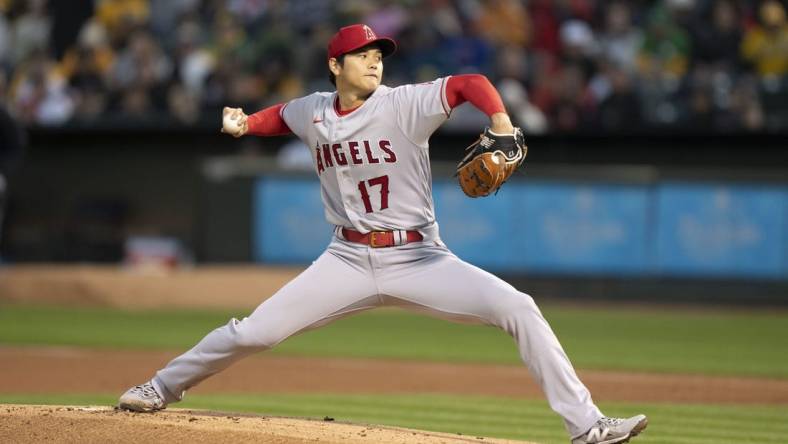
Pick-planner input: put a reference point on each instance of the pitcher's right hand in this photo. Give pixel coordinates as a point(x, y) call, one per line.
point(234, 121)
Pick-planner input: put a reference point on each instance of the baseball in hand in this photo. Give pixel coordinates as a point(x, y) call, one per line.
point(233, 122)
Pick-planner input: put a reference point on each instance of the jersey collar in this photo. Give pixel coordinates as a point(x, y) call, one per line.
point(339, 113)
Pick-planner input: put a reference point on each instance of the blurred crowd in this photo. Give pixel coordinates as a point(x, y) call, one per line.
point(561, 65)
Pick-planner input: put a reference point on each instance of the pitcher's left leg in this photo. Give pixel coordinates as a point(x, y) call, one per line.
point(441, 284)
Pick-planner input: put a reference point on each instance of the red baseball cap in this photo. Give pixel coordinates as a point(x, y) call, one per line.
point(353, 37)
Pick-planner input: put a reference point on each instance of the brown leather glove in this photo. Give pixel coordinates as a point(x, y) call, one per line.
point(490, 161)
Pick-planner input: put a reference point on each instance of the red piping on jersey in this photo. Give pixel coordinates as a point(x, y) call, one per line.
point(446, 107)
point(268, 122)
point(474, 88)
point(340, 112)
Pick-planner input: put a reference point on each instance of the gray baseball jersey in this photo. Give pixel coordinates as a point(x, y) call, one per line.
point(374, 173)
point(373, 163)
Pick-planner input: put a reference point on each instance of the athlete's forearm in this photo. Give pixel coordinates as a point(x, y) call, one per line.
point(500, 123)
point(268, 122)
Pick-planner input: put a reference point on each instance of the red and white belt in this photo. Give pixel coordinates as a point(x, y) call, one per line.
point(381, 239)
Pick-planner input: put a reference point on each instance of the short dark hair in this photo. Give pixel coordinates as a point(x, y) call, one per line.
point(331, 77)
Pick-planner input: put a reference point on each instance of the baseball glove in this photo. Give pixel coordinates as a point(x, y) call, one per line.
point(490, 161)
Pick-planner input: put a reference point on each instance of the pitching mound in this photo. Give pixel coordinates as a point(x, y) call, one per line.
point(35, 423)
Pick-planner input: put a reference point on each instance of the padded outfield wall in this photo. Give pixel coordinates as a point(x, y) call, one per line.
point(669, 228)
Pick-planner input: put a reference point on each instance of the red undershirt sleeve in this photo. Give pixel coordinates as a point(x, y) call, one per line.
point(474, 88)
point(268, 122)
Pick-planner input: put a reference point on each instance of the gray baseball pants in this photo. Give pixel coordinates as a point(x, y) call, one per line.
point(425, 276)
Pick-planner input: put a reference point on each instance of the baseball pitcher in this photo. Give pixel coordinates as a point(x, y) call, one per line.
point(370, 149)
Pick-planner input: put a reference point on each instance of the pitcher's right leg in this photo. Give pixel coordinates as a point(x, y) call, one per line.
point(337, 284)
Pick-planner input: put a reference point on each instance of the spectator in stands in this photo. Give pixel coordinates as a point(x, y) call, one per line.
point(528, 117)
point(183, 104)
point(141, 62)
point(194, 61)
point(620, 41)
point(718, 44)
point(39, 93)
point(140, 75)
point(545, 27)
point(121, 17)
point(166, 14)
point(619, 107)
point(514, 68)
point(746, 109)
point(574, 106)
point(504, 22)
point(87, 66)
point(666, 45)
point(663, 61)
point(701, 109)
point(766, 45)
point(30, 30)
point(579, 47)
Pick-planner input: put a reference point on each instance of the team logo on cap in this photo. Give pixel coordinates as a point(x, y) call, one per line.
point(370, 35)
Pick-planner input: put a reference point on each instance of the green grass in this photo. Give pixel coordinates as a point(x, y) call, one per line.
point(487, 416)
point(722, 343)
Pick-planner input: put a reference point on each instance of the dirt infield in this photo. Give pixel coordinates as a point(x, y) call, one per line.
point(35, 424)
point(30, 370)
point(205, 287)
